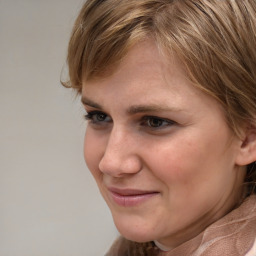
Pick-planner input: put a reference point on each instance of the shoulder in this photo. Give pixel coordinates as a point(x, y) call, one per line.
point(235, 233)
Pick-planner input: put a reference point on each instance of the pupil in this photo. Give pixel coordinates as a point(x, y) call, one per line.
point(101, 117)
point(155, 122)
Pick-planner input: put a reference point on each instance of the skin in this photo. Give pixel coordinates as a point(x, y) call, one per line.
point(153, 131)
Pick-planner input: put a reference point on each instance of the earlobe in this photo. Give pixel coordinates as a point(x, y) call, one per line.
point(247, 150)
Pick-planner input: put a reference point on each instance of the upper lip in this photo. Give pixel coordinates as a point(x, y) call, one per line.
point(130, 192)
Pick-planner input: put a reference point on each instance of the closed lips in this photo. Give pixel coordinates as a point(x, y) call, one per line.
point(130, 192)
point(130, 197)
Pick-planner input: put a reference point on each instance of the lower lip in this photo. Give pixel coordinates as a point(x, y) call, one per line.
point(131, 200)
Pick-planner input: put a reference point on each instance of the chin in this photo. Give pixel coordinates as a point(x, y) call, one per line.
point(136, 236)
point(137, 232)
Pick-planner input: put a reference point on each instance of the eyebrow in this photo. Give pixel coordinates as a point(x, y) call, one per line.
point(90, 103)
point(135, 109)
point(150, 108)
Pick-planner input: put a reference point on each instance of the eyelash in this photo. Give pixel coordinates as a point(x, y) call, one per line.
point(158, 122)
point(90, 116)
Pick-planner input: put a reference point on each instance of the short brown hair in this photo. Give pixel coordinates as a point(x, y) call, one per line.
point(216, 40)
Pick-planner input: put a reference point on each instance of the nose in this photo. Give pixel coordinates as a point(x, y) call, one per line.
point(121, 156)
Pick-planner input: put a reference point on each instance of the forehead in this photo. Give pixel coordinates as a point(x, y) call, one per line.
point(144, 63)
point(146, 80)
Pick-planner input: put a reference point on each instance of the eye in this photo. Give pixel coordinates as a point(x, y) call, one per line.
point(156, 122)
point(97, 117)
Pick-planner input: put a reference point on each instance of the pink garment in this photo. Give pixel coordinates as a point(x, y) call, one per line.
point(232, 235)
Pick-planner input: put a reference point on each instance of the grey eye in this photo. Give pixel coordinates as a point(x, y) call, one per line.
point(155, 122)
point(97, 117)
point(100, 117)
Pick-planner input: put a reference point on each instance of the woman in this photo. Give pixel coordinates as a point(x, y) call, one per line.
point(169, 88)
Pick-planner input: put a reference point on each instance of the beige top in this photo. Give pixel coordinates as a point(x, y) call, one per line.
point(234, 234)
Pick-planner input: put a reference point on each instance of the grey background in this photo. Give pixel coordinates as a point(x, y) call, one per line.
point(49, 203)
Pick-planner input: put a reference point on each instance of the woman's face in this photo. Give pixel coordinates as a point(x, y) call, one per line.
point(159, 149)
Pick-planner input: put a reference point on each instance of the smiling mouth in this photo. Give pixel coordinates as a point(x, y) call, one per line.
point(130, 197)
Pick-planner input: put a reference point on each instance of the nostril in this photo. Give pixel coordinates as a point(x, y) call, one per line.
point(132, 164)
point(105, 165)
point(116, 167)
point(120, 155)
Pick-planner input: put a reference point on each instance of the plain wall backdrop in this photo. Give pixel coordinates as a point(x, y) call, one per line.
point(49, 203)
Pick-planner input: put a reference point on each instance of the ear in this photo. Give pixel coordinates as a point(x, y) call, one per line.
point(247, 150)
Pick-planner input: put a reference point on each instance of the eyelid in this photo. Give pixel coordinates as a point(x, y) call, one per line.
point(157, 117)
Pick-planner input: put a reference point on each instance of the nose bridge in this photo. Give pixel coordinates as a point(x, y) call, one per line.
point(118, 135)
point(115, 145)
point(120, 154)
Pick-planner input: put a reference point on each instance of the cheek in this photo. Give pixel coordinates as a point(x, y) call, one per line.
point(174, 161)
point(182, 167)
point(92, 153)
point(193, 169)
